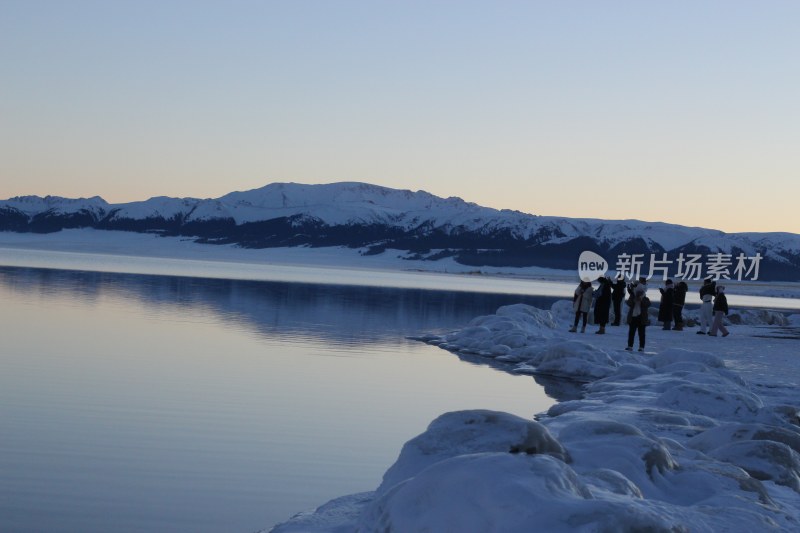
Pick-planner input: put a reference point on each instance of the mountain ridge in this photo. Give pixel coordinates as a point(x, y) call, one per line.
point(377, 218)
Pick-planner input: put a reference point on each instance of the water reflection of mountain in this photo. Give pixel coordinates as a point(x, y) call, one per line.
point(331, 313)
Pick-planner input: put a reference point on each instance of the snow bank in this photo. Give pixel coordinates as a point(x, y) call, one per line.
point(503, 492)
point(757, 317)
point(469, 432)
point(512, 333)
point(673, 441)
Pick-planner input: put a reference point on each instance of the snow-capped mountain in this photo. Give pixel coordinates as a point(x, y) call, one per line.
point(51, 213)
point(375, 218)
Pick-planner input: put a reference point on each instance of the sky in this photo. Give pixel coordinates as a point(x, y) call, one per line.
point(684, 111)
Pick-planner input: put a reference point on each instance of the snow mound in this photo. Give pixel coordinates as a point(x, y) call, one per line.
point(711, 401)
point(743, 317)
point(763, 451)
point(563, 311)
point(763, 460)
point(336, 516)
point(508, 493)
point(758, 317)
point(571, 359)
point(510, 332)
point(463, 475)
point(735, 432)
point(532, 338)
point(468, 432)
point(669, 442)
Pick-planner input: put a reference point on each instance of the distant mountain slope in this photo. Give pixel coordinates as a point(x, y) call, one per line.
point(375, 218)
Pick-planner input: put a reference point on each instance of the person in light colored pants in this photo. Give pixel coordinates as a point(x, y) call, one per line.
point(718, 325)
point(707, 292)
point(720, 310)
point(706, 313)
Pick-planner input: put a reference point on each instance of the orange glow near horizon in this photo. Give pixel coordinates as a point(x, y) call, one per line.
point(633, 111)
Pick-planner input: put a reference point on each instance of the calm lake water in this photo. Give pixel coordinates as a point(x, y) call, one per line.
point(187, 404)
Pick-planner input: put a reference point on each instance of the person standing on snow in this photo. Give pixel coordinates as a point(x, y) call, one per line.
point(665, 306)
point(581, 303)
point(720, 310)
point(677, 305)
point(617, 295)
point(602, 304)
point(638, 304)
point(707, 292)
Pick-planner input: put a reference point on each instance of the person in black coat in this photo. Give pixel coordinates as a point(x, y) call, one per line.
point(602, 304)
point(665, 308)
point(677, 307)
point(617, 295)
point(638, 304)
point(720, 310)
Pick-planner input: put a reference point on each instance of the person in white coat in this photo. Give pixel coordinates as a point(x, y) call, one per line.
point(707, 293)
point(581, 303)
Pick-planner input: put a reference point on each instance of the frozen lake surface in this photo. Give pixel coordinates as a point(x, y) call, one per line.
point(154, 403)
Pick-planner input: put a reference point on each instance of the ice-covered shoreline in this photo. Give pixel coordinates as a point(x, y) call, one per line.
point(701, 437)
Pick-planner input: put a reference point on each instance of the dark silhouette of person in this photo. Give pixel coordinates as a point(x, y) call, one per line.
point(677, 306)
point(617, 295)
point(602, 304)
point(665, 310)
point(637, 304)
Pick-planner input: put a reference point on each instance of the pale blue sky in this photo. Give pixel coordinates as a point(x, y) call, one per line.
point(682, 111)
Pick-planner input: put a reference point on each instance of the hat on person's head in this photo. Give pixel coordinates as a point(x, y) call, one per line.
point(642, 279)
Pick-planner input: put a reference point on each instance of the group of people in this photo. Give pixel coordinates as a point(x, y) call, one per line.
point(713, 309)
point(711, 314)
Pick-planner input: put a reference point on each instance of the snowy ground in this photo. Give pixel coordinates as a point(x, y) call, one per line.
point(150, 245)
point(695, 434)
